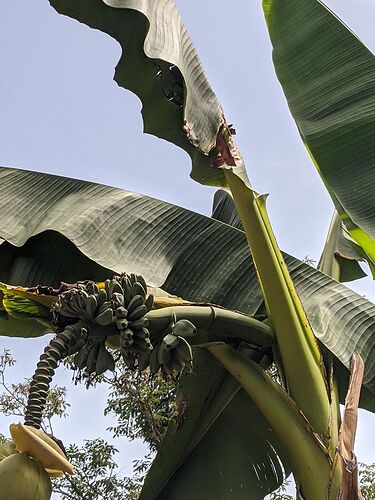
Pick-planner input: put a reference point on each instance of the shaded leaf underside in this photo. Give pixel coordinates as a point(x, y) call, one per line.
point(341, 254)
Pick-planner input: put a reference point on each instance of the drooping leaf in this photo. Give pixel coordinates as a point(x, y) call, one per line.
point(328, 77)
point(135, 233)
point(39, 302)
point(217, 434)
point(161, 66)
point(341, 254)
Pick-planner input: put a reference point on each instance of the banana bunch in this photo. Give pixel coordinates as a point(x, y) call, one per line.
point(94, 357)
point(72, 303)
point(135, 343)
point(117, 306)
point(174, 353)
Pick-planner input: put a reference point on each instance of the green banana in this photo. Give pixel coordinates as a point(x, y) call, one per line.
point(102, 297)
point(121, 313)
point(80, 359)
point(91, 305)
point(103, 307)
point(127, 285)
point(149, 302)
point(164, 355)
point(138, 289)
point(92, 358)
point(118, 298)
point(154, 363)
point(122, 324)
point(184, 328)
point(127, 334)
point(140, 323)
point(137, 313)
point(142, 346)
point(105, 318)
point(141, 333)
point(142, 282)
point(170, 341)
point(143, 360)
point(105, 361)
point(81, 299)
point(135, 302)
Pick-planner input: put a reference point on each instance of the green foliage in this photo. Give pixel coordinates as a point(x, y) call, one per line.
point(96, 476)
point(330, 92)
point(367, 481)
point(280, 494)
point(142, 406)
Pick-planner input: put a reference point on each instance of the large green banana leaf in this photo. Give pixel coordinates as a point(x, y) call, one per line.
point(328, 77)
point(341, 254)
point(120, 231)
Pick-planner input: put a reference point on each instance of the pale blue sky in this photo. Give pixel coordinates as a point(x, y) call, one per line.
point(62, 113)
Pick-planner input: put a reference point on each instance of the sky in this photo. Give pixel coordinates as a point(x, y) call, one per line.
point(61, 113)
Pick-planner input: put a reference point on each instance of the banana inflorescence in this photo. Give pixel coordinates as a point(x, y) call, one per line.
point(56, 350)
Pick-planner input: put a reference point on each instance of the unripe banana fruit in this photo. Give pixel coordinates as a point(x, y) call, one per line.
point(23, 478)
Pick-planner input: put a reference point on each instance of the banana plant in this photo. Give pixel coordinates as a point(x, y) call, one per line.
point(283, 321)
point(55, 249)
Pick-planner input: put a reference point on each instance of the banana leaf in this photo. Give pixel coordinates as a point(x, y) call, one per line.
point(70, 229)
point(218, 434)
point(224, 209)
point(328, 77)
point(161, 66)
point(341, 254)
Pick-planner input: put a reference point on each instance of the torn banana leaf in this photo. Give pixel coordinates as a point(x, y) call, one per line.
point(161, 66)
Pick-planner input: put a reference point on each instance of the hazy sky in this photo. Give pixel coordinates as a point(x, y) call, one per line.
point(62, 113)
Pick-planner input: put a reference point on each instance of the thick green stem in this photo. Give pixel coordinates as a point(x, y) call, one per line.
point(299, 351)
point(309, 459)
point(214, 324)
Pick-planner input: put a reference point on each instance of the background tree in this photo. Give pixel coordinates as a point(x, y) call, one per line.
point(142, 407)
